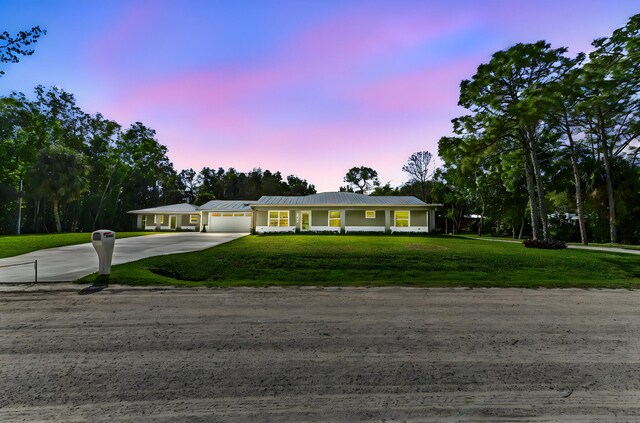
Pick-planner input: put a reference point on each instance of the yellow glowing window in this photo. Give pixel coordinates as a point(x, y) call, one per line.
point(248, 214)
point(227, 214)
point(402, 219)
point(238, 214)
point(193, 218)
point(216, 214)
point(279, 218)
point(370, 214)
point(159, 219)
point(334, 218)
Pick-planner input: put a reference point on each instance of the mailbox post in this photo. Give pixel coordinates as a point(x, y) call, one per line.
point(103, 241)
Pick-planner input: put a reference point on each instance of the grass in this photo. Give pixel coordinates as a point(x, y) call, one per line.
point(14, 245)
point(609, 245)
point(361, 260)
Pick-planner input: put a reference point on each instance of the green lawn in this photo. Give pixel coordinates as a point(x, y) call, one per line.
point(368, 260)
point(14, 245)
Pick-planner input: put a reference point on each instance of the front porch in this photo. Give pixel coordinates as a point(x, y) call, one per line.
point(344, 220)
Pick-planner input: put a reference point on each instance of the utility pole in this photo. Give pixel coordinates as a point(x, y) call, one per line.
point(19, 207)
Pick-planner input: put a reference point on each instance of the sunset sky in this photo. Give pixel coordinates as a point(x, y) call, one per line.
point(306, 87)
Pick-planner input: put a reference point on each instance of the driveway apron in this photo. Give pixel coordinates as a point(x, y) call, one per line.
point(75, 261)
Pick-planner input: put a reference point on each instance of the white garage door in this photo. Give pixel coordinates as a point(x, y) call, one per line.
point(229, 222)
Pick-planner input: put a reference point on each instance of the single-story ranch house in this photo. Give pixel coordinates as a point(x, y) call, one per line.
point(340, 212)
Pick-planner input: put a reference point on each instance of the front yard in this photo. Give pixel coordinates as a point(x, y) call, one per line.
point(14, 245)
point(367, 260)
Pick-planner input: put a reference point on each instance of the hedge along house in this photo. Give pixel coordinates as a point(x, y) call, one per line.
point(214, 216)
point(342, 212)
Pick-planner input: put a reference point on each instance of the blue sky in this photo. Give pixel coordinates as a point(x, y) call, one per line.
point(307, 88)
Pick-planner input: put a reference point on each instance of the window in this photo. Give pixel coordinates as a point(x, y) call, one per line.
point(227, 214)
point(248, 214)
point(193, 218)
point(370, 214)
point(238, 214)
point(334, 218)
point(144, 221)
point(159, 219)
point(216, 214)
point(279, 218)
point(402, 219)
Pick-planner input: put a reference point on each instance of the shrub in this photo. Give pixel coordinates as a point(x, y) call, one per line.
point(544, 244)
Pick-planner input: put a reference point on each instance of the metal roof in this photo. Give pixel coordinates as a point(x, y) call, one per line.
point(172, 208)
point(338, 198)
point(223, 205)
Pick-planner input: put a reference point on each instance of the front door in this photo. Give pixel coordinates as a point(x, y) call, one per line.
point(305, 224)
point(173, 222)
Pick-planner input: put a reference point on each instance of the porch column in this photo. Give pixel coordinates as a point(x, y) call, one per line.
point(139, 221)
point(343, 216)
point(432, 220)
point(387, 221)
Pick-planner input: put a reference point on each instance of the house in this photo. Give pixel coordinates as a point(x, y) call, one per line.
point(342, 212)
point(214, 216)
point(339, 212)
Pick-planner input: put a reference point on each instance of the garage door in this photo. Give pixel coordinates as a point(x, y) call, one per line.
point(229, 222)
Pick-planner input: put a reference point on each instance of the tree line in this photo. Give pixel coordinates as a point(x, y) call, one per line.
point(549, 133)
point(66, 170)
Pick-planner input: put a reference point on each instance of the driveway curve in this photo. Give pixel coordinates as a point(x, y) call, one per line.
point(75, 261)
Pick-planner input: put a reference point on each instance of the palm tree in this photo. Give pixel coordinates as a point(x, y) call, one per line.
point(61, 175)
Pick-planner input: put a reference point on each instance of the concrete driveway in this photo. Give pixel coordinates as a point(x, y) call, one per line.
point(75, 261)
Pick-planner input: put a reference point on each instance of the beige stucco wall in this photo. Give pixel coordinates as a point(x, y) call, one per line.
point(319, 218)
point(357, 218)
point(418, 218)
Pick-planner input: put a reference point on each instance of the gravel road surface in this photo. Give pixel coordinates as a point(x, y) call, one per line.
point(290, 355)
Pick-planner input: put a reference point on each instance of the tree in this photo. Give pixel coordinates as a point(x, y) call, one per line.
point(510, 106)
point(610, 107)
point(418, 167)
point(61, 176)
point(188, 179)
point(12, 47)
point(363, 178)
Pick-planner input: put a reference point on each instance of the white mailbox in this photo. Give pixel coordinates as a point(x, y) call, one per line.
point(103, 241)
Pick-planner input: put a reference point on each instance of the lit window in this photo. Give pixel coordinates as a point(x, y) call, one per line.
point(279, 218)
point(402, 219)
point(216, 214)
point(248, 214)
point(238, 214)
point(159, 219)
point(193, 218)
point(370, 214)
point(334, 218)
point(227, 214)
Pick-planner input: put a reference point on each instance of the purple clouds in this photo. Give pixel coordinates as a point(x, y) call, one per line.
point(309, 89)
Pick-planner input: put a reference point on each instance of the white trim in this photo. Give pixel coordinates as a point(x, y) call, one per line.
point(424, 229)
point(274, 229)
point(302, 212)
point(363, 229)
point(279, 211)
point(367, 217)
point(188, 228)
point(329, 219)
point(395, 218)
point(159, 221)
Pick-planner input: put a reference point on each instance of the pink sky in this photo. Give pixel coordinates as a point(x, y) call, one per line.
point(303, 88)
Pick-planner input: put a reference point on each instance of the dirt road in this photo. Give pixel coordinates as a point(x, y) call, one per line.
point(390, 354)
